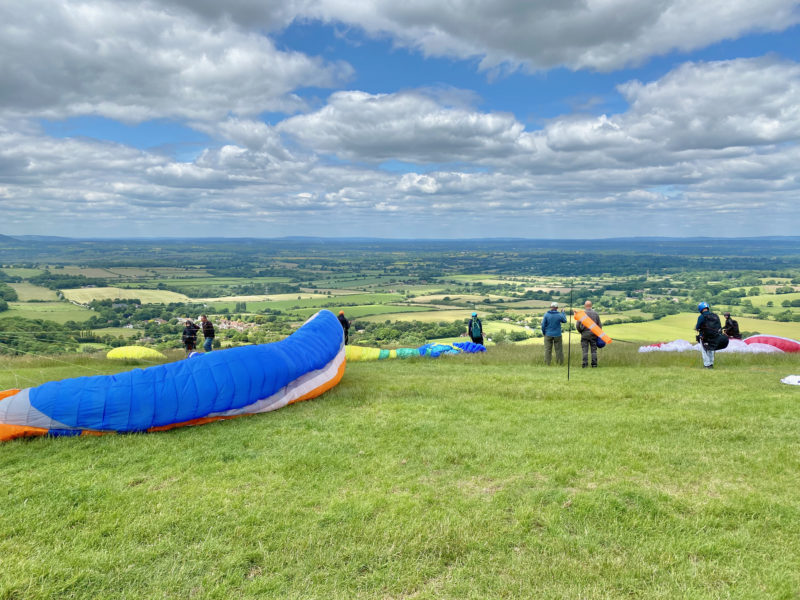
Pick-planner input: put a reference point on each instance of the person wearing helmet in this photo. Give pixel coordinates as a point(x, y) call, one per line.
point(709, 334)
point(345, 326)
point(475, 329)
point(551, 329)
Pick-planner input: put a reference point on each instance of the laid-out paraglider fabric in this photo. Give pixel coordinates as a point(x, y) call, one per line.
point(781, 343)
point(209, 387)
point(134, 353)
point(362, 353)
point(756, 344)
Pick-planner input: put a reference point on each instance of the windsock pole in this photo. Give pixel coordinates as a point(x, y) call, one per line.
point(569, 334)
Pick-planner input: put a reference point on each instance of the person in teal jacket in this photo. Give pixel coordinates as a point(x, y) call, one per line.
point(551, 329)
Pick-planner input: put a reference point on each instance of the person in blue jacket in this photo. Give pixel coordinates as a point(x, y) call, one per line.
point(551, 328)
point(709, 330)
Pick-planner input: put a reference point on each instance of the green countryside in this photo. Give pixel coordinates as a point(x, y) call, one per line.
point(471, 476)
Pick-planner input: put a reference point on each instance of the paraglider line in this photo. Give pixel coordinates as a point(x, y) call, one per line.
point(42, 356)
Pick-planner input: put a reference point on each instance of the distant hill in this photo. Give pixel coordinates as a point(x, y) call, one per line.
point(42, 238)
point(9, 242)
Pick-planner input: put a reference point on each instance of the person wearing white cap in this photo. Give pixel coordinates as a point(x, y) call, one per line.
point(551, 329)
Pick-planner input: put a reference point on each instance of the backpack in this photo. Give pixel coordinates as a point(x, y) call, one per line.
point(712, 326)
point(475, 328)
point(713, 338)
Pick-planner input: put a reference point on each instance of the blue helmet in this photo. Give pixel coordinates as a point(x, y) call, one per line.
point(702, 306)
point(474, 314)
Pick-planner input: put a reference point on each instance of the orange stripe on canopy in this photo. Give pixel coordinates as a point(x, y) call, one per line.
point(583, 319)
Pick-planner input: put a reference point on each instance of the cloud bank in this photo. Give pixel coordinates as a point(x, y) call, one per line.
point(708, 148)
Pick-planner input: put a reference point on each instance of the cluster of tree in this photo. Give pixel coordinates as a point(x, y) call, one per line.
point(116, 313)
point(245, 289)
point(57, 281)
point(410, 333)
point(7, 294)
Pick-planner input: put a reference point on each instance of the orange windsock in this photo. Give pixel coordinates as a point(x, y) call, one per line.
point(583, 319)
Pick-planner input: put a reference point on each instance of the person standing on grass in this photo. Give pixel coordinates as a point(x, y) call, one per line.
point(345, 326)
point(475, 329)
point(189, 336)
point(709, 330)
point(551, 329)
point(588, 339)
point(208, 332)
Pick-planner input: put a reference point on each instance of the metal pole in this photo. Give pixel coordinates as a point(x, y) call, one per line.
point(569, 334)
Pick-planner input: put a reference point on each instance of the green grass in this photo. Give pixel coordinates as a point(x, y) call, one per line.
point(314, 303)
point(22, 272)
point(427, 316)
point(343, 281)
point(457, 298)
point(366, 310)
point(125, 332)
point(470, 477)
point(85, 271)
point(60, 312)
point(191, 280)
point(261, 297)
point(27, 292)
point(777, 299)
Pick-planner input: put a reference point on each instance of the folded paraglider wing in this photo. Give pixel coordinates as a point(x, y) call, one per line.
point(209, 387)
point(361, 353)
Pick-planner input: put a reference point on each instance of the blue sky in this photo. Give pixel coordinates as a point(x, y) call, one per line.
point(593, 118)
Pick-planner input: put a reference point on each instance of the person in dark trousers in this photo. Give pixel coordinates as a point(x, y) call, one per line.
point(189, 336)
point(208, 332)
point(588, 339)
point(345, 326)
point(475, 329)
point(708, 330)
point(551, 329)
point(731, 328)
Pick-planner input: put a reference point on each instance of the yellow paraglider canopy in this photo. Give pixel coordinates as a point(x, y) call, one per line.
point(133, 352)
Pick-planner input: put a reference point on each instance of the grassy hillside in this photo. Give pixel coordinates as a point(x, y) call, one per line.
point(468, 477)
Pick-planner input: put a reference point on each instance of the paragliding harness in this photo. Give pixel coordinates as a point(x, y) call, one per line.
point(711, 335)
point(475, 328)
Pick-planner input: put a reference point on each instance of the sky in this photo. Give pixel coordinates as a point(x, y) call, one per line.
point(414, 119)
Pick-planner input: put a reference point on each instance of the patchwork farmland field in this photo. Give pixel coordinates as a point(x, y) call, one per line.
point(59, 312)
point(27, 292)
point(86, 295)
